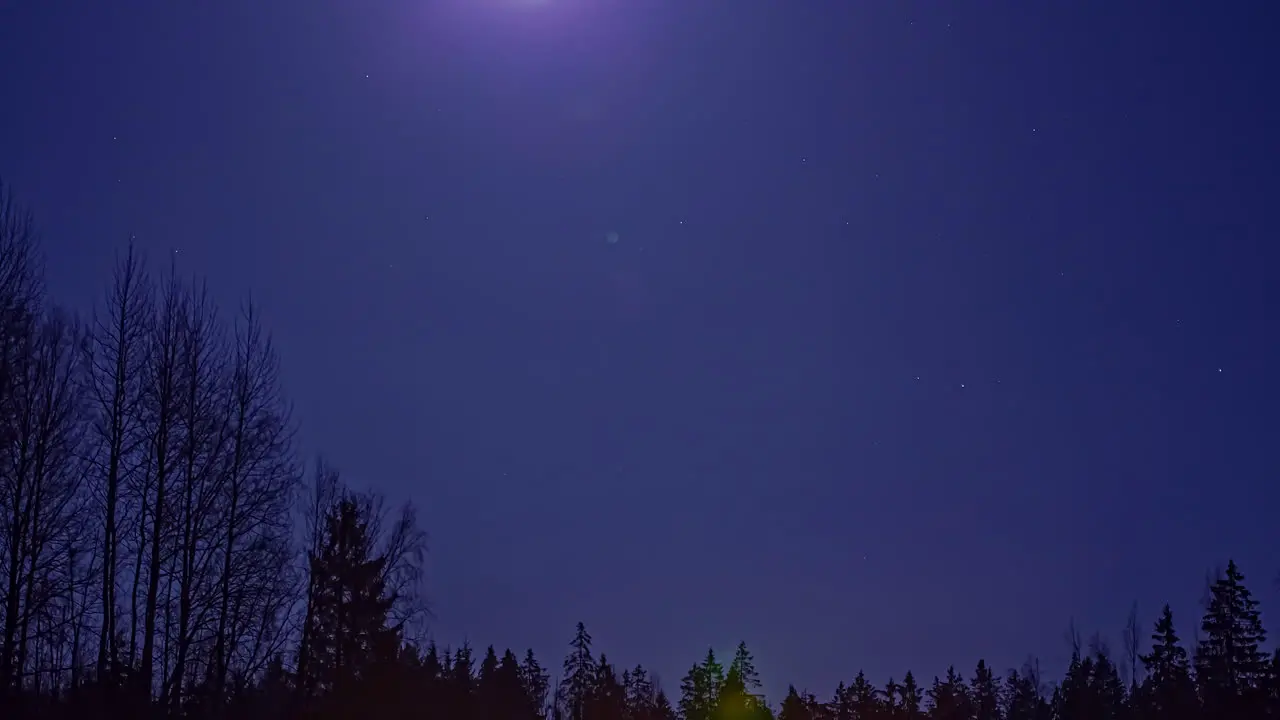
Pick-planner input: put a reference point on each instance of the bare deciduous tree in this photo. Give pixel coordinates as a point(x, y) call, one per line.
point(41, 477)
point(161, 393)
point(115, 352)
point(254, 585)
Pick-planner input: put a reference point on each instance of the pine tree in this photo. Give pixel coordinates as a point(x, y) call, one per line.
point(737, 698)
point(841, 705)
point(912, 697)
point(1230, 667)
point(487, 684)
point(639, 693)
point(608, 697)
point(985, 693)
point(793, 707)
point(715, 676)
point(1021, 697)
point(890, 700)
point(510, 700)
point(1106, 689)
point(695, 694)
point(579, 675)
point(745, 666)
point(461, 685)
point(864, 698)
point(536, 684)
point(1071, 699)
point(949, 699)
point(350, 606)
point(662, 709)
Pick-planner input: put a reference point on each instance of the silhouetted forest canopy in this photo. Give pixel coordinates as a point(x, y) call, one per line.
point(164, 553)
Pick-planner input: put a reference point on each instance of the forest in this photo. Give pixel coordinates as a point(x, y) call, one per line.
point(164, 552)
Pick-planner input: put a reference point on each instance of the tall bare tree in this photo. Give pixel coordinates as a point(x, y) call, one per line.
point(115, 353)
point(161, 395)
point(202, 426)
point(254, 585)
point(21, 288)
point(57, 476)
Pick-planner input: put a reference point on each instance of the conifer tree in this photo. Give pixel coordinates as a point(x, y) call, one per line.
point(864, 698)
point(510, 697)
point(608, 697)
point(715, 676)
point(891, 701)
point(745, 666)
point(487, 684)
point(536, 684)
point(1021, 697)
point(948, 700)
point(695, 694)
point(461, 690)
point(1231, 669)
point(841, 705)
point(985, 693)
point(736, 701)
point(662, 709)
point(1071, 699)
point(1106, 689)
point(350, 606)
point(912, 697)
point(639, 693)
point(793, 706)
point(579, 675)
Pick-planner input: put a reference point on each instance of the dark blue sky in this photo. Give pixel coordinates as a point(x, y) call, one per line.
point(930, 325)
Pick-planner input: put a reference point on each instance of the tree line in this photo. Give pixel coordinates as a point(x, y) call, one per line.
point(164, 553)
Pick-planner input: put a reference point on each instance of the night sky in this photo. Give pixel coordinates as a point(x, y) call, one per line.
point(879, 335)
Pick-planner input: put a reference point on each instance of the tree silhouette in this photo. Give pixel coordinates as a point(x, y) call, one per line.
point(153, 562)
point(1168, 690)
point(579, 681)
point(1231, 668)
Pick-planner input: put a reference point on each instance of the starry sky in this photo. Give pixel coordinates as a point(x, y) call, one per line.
point(876, 334)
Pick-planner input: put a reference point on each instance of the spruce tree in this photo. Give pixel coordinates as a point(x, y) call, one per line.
point(1106, 689)
point(745, 666)
point(349, 629)
point(639, 694)
point(579, 675)
point(1021, 697)
point(864, 698)
point(949, 699)
point(695, 694)
point(793, 706)
point(1231, 669)
point(738, 697)
point(891, 699)
point(985, 692)
point(510, 699)
point(608, 697)
point(536, 684)
point(912, 697)
point(1168, 690)
point(715, 675)
point(841, 704)
point(1071, 699)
